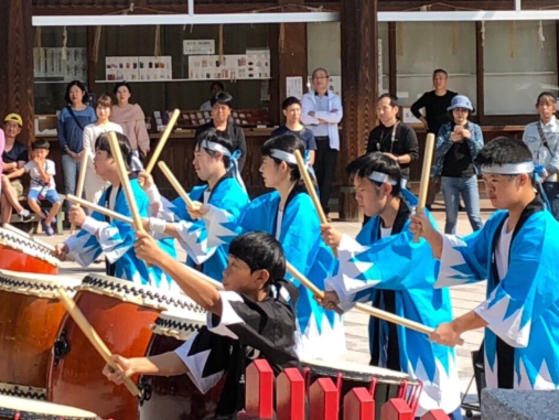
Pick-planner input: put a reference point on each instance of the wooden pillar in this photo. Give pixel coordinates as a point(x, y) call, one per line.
point(91, 59)
point(16, 64)
point(480, 74)
point(359, 30)
point(392, 62)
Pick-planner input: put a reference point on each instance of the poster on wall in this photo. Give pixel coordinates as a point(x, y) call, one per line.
point(198, 46)
point(121, 68)
point(294, 87)
point(59, 64)
point(253, 65)
point(155, 68)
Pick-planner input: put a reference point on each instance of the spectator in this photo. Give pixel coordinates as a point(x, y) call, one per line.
point(71, 122)
point(14, 157)
point(458, 144)
point(42, 171)
point(133, 122)
point(292, 112)
point(392, 137)
point(224, 124)
point(542, 138)
point(322, 112)
point(435, 104)
point(94, 185)
point(215, 88)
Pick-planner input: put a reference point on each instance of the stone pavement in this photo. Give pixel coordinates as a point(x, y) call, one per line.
point(464, 299)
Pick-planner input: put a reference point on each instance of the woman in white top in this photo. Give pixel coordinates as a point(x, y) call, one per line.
point(94, 185)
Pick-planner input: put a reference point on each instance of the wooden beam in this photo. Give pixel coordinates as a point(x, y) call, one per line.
point(91, 60)
point(359, 33)
point(16, 65)
point(392, 62)
point(480, 72)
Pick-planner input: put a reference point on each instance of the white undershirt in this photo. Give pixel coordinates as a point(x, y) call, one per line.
point(385, 232)
point(502, 251)
point(112, 199)
point(278, 224)
point(207, 196)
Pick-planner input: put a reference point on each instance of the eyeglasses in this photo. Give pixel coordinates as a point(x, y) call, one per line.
point(320, 77)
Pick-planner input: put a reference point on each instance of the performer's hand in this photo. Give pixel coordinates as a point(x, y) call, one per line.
point(331, 236)
point(145, 180)
point(145, 224)
point(330, 300)
point(420, 224)
point(197, 210)
point(77, 215)
point(446, 335)
point(61, 251)
point(118, 377)
point(147, 249)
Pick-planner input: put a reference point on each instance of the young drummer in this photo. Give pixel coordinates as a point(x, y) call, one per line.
point(516, 251)
point(99, 234)
point(384, 266)
point(251, 319)
point(215, 162)
point(288, 214)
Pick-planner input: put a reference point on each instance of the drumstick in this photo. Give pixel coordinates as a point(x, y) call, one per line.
point(175, 183)
point(26, 235)
point(94, 338)
point(312, 191)
point(125, 219)
point(425, 177)
point(125, 182)
point(81, 183)
point(162, 141)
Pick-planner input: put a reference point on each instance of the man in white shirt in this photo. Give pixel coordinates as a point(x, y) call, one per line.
point(322, 112)
point(542, 138)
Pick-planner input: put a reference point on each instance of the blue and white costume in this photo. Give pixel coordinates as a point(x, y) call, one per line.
point(100, 235)
point(227, 194)
point(385, 267)
point(522, 305)
point(320, 333)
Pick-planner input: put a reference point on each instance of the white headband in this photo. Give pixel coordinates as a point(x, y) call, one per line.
point(509, 169)
point(216, 147)
point(382, 178)
point(283, 156)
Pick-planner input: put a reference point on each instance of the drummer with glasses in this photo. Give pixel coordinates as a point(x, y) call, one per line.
point(384, 266)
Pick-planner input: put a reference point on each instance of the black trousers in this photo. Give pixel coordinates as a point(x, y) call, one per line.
point(325, 169)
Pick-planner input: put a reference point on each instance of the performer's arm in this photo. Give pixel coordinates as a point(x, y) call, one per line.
point(449, 333)
point(166, 364)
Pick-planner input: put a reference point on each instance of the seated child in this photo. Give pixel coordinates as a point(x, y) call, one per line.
point(42, 171)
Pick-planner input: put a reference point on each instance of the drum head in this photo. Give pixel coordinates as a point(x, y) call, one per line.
point(355, 372)
point(28, 246)
point(42, 285)
point(40, 410)
point(179, 324)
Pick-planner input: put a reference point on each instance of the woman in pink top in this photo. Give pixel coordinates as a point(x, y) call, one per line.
point(133, 121)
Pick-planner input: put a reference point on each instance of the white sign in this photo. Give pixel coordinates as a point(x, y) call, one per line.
point(198, 46)
point(294, 87)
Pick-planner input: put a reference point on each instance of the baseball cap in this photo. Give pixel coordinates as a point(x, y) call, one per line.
point(15, 118)
point(460, 101)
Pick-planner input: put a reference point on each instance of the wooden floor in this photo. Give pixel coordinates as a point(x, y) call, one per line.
point(464, 299)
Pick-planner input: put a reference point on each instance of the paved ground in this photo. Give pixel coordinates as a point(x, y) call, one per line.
point(464, 299)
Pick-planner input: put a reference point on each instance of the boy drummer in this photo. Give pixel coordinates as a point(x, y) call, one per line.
point(251, 319)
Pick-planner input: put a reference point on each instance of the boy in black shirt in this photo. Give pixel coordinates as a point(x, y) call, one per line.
point(253, 318)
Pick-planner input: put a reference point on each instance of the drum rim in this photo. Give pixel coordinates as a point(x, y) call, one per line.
point(170, 325)
point(42, 252)
point(26, 414)
point(39, 277)
point(32, 284)
point(22, 391)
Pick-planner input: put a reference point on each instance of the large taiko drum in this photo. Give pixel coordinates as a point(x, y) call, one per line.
point(30, 314)
point(383, 384)
point(177, 398)
point(12, 408)
point(22, 253)
point(121, 313)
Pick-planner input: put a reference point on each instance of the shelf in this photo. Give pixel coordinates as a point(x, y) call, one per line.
point(182, 80)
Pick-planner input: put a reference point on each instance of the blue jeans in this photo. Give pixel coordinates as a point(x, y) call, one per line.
point(71, 170)
point(452, 188)
point(551, 190)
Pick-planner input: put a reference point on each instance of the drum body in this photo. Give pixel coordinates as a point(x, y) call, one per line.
point(19, 408)
point(121, 313)
point(18, 253)
point(30, 315)
point(176, 398)
point(383, 384)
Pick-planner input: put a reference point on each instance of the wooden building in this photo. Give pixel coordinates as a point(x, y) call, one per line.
point(498, 52)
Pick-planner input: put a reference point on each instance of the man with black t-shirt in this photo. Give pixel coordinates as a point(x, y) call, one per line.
point(392, 137)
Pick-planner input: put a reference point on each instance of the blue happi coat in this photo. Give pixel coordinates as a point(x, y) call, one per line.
point(227, 194)
point(115, 239)
point(397, 275)
point(522, 308)
point(320, 332)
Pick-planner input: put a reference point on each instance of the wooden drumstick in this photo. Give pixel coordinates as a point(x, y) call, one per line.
point(81, 183)
point(425, 178)
point(175, 183)
point(312, 191)
point(125, 182)
point(94, 338)
point(162, 141)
